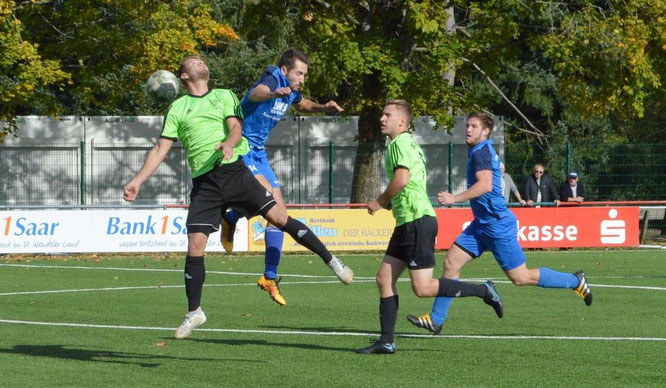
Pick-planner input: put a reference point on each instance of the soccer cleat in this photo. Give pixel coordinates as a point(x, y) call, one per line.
point(583, 289)
point(271, 286)
point(425, 322)
point(193, 319)
point(344, 273)
point(378, 348)
point(227, 234)
point(494, 299)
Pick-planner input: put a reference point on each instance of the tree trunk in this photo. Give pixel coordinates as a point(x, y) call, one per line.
point(366, 183)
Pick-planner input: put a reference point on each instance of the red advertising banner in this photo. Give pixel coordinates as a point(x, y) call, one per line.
point(565, 227)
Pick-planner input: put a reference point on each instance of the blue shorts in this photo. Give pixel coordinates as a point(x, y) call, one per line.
point(257, 162)
point(500, 238)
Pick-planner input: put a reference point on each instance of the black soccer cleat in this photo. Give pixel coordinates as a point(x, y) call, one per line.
point(378, 348)
point(583, 289)
point(425, 322)
point(494, 299)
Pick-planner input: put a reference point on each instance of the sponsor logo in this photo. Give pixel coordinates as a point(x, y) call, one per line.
point(279, 108)
point(23, 226)
point(146, 227)
point(613, 231)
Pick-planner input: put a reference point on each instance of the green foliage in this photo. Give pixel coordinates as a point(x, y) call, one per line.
point(368, 52)
point(109, 48)
point(25, 76)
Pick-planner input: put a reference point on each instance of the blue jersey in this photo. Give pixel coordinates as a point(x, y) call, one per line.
point(491, 206)
point(262, 116)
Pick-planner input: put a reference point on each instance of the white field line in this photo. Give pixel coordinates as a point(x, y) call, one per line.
point(259, 274)
point(161, 286)
point(154, 270)
point(335, 333)
point(359, 279)
point(65, 291)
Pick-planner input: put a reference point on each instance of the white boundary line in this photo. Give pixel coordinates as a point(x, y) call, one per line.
point(160, 287)
point(360, 279)
point(335, 333)
point(74, 290)
point(155, 270)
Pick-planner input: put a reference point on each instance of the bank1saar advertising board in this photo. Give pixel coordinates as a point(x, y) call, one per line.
point(338, 229)
point(77, 231)
point(565, 227)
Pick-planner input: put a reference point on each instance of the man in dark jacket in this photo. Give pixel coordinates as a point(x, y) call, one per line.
point(540, 188)
point(572, 190)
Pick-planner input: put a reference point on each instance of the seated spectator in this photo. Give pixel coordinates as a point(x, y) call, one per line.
point(540, 188)
point(508, 186)
point(572, 190)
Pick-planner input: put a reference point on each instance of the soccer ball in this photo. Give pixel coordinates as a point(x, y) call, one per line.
point(162, 85)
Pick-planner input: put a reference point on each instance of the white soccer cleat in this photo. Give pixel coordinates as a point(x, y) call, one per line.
point(193, 319)
point(344, 273)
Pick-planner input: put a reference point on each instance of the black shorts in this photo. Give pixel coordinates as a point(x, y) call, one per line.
point(227, 185)
point(414, 243)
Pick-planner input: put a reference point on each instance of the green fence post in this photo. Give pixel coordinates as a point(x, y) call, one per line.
point(568, 159)
point(83, 172)
point(450, 167)
point(331, 160)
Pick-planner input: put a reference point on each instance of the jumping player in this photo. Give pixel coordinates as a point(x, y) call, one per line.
point(263, 107)
point(208, 122)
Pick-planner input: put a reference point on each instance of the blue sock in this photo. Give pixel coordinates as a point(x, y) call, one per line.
point(232, 216)
point(440, 309)
point(553, 279)
point(274, 238)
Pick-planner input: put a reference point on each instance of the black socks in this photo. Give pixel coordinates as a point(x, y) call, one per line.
point(388, 314)
point(195, 274)
point(456, 288)
point(304, 236)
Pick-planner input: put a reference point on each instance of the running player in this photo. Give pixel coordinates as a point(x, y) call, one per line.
point(494, 228)
point(412, 243)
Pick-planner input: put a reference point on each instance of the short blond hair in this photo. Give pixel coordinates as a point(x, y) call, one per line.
point(404, 107)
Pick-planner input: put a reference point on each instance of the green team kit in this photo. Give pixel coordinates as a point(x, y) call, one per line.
point(200, 124)
point(412, 202)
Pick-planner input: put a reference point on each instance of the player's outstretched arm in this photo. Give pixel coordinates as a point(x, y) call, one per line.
point(262, 93)
point(154, 158)
point(309, 106)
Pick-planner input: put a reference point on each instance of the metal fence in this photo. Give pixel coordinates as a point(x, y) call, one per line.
point(94, 173)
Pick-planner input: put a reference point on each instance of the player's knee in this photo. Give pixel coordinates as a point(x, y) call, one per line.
point(451, 264)
point(520, 280)
point(420, 291)
point(382, 281)
point(426, 289)
point(277, 216)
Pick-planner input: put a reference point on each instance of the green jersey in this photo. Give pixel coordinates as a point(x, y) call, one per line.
point(412, 202)
point(200, 122)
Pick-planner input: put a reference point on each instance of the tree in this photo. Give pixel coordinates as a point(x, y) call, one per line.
point(25, 76)
point(107, 49)
point(366, 53)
